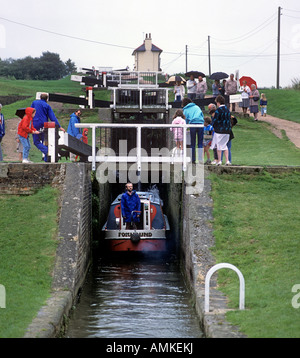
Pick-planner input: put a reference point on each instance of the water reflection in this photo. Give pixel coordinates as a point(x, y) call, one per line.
point(136, 298)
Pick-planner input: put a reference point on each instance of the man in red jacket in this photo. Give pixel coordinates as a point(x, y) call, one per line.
point(24, 128)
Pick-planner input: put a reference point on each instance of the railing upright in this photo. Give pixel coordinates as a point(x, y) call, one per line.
point(207, 284)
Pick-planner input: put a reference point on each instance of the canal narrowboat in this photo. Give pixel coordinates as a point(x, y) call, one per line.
point(150, 233)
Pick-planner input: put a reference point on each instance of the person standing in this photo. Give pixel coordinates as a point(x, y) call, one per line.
point(179, 91)
point(222, 129)
point(130, 206)
point(245, 97)
point(72, 130)
point(216, 88)
point(263, 104)
point(201, 90)
point(43, 113)
point(191, 88)
point(231, 89)
point(178, 118)
point(2, 131)
point(254, 100)
point(194, 115)
point(24, 128)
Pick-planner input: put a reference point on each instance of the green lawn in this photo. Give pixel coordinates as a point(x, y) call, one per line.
point(283, 103)
point(27, 251)
point(255, 144)
point(256, 227)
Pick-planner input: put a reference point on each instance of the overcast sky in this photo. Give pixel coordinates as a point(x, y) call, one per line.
point(104, 33)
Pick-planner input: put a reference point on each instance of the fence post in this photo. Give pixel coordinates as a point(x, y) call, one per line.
point(211, 271)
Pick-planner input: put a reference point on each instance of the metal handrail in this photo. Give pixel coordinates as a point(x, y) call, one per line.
point(138, 158)
point(207, 284)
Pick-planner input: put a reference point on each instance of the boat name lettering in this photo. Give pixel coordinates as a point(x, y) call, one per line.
point(142, 234)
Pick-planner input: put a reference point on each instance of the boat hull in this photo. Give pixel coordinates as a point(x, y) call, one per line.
point(122, 240)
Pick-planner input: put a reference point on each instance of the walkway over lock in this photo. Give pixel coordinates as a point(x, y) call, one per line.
point(138, 158)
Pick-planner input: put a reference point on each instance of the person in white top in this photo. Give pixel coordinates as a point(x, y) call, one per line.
point(191, 88)
point(201, 90)
point(179, 91)
point(245, 96)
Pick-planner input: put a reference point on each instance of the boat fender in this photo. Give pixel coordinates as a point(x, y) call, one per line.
point(135, 237)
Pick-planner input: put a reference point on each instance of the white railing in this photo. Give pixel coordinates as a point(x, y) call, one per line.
point(207, 284)
point(138, 158)
point(137, 79)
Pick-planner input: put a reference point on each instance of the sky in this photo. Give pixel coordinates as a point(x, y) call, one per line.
point(243, 34)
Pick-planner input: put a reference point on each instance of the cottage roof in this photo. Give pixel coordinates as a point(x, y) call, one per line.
point(142, 48)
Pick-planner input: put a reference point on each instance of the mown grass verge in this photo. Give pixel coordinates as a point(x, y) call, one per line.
point(27, 251)
point(256, 228)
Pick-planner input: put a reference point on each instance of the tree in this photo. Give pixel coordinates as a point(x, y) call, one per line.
point(51, 67)
point(47, 67)
point(70, 67)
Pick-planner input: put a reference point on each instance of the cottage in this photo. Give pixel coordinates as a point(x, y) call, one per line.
point(147, 56)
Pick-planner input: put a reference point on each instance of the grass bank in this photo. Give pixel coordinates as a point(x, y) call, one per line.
point(283, 103)
point(27, 251)
point(255, 144)
point(256, 229)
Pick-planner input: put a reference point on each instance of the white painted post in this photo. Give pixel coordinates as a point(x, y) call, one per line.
point(207, 284)
point(90, 97)
point(141, 98)
point(93, 148)
point(184, 149)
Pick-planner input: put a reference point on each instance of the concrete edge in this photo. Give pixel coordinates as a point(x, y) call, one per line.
point(50, 318)
point(199, 217)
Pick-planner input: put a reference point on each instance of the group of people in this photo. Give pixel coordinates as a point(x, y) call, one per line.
point(33, 123)
point(216, 132)
point(250, 95)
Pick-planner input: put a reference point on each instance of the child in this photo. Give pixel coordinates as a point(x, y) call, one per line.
point(207, 137)
point(263, 105)
point(19, 145)
point(179, 118)
point(83, 138)
point(24, 128)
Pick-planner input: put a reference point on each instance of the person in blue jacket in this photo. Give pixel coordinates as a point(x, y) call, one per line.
point(43, 113)
point(194, 115)
point(130, 206)
point(72, 130)
point(2, 131)
point(74, 118)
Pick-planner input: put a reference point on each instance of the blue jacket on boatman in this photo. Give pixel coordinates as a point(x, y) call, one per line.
point(130, 202)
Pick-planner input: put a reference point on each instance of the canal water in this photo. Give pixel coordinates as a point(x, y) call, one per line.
point(136, 297)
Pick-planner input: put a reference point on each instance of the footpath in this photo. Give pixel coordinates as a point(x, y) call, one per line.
point(292, 129)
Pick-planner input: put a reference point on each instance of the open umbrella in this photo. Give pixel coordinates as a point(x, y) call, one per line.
point(173, 79)
point(250, 81)
point(196, 74)
point(218, 76)
point(20, 112)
